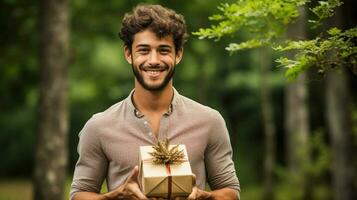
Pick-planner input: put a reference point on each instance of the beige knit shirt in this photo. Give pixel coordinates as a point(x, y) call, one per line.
point(109, 144)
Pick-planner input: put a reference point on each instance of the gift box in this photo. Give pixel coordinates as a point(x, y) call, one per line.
point(167, 180)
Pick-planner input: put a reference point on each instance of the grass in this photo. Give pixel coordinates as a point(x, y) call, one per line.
point(22, 189)
point(15, 190)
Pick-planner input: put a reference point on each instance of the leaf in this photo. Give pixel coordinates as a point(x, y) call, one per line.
point(334, 31)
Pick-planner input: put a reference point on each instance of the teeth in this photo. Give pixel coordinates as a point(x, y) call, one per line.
point(153, 72)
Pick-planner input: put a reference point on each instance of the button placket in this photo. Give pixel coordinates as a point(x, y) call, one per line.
point(148, 131)
point(164, 127)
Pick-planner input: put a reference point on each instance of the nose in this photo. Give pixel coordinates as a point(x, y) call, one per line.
point(153, 59)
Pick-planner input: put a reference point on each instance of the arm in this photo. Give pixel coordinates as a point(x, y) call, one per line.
point(88, 196)
point(129, 190)
point(220, 194)
point(91, 169)
point(221, 174)
point(225, 194)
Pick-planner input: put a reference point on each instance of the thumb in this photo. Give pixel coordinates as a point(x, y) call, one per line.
point(193, 180)
point(193, 194)
point(134, 174)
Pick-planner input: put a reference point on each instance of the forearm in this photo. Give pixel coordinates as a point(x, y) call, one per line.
point(88, 196)
point(225, 194)
point(94, 196)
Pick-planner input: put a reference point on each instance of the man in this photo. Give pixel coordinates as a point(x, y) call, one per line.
point(109, 142)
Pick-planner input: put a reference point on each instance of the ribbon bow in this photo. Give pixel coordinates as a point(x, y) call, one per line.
point(163, 154)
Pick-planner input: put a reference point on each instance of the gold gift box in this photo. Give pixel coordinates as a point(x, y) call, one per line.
point(155, 179)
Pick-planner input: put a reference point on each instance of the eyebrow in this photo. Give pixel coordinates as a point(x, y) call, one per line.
point(165, 46)
point(142, 45)
point(160, 46)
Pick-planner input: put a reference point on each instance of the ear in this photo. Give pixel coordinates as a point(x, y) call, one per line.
point(179, 55)
point(127, 54)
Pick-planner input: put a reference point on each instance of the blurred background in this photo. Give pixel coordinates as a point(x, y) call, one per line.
point(285, 146)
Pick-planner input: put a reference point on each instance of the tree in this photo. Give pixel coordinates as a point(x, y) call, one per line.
point(265, 21)
point(268, 124)
point(339, 120)
point(297, 115)
point(51, 151)
point(340, 128)
point(265, 25)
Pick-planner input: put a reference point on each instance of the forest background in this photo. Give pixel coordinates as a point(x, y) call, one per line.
point(98, 76)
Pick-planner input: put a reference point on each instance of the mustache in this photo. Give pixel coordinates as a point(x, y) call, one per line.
point(153, 67)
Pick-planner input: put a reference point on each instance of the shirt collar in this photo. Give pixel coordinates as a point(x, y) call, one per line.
point(138, 114)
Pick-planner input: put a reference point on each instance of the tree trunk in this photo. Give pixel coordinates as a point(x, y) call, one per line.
point(268, 124)
point(51, 151)
point(297, 118)
point(340, 129)
point(339, 120)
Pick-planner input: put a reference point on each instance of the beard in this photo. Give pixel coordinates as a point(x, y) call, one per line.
point(149, 87)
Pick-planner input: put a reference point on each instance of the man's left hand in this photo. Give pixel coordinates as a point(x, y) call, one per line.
point(196, 193)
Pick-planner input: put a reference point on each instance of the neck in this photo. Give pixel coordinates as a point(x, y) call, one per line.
point(152, 101)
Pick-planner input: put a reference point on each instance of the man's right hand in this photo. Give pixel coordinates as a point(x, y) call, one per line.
point(130, 190)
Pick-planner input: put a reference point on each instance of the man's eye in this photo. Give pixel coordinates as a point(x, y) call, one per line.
point(164, 51)
point(143, 51)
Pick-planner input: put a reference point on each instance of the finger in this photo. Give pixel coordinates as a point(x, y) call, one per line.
point(134, 174)
point(138, 194)
point(193, 194)
point(193, 180)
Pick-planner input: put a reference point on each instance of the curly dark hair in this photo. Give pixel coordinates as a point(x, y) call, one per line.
point(161, 20)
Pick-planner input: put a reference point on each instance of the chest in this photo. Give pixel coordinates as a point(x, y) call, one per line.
point(121, 143)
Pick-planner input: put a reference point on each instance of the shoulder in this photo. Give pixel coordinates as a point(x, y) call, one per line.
point(196, 109)
point(103, 119)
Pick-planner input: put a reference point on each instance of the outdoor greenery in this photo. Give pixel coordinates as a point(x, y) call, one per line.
point(267, 20)
point(222, 73)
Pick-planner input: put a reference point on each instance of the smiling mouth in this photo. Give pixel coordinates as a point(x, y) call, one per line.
point(154, 69)
point(154, 72)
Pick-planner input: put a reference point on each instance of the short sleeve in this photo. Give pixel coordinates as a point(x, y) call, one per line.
point(91, 167)
point(218, 157)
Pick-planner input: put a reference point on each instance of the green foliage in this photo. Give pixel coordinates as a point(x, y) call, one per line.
point(100, 76)
point(324, 10)
point(266, 20)
point(317, 170)
point(337, 50)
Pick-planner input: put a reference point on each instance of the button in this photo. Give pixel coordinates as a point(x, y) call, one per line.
point(150, 134)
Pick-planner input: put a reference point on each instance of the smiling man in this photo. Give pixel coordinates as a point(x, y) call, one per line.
point(109, 142)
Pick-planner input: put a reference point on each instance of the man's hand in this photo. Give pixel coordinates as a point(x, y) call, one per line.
point(222, 194)
point(196, 192)
point(199, 194)
point(130, 190)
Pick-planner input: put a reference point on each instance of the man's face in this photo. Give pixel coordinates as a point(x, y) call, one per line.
point(153, 60)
